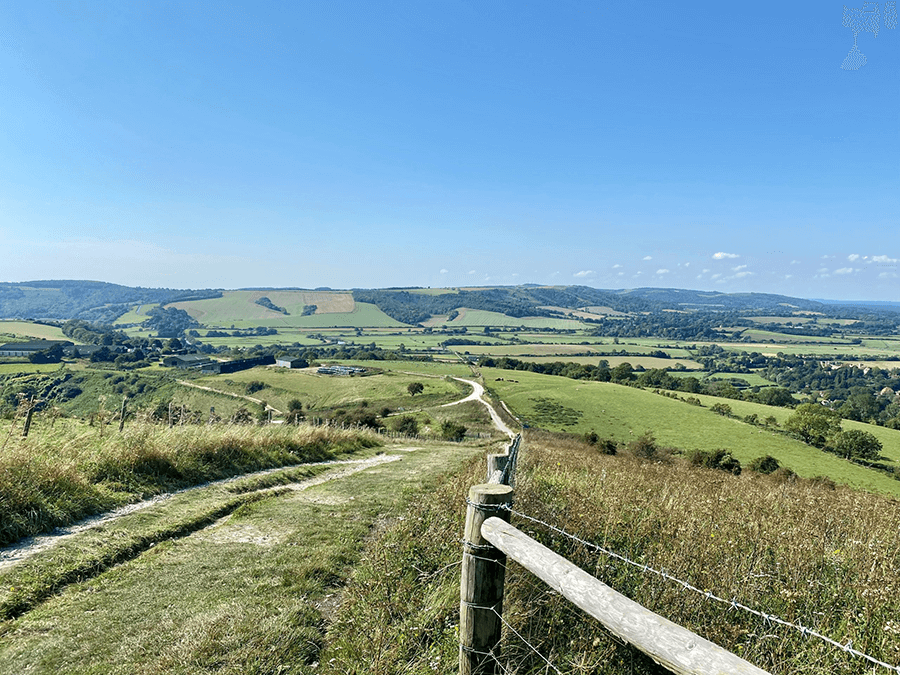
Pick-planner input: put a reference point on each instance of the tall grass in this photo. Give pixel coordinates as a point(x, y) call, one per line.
point(60, 475)
point(822, 557)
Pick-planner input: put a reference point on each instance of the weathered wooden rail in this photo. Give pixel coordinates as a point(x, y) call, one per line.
point(490, 539)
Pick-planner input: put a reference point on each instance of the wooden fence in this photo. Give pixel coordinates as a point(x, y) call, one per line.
point(490, 539)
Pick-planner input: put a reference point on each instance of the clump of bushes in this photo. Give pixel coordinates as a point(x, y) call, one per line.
point(716, 459)
point(408, 425)
point(452, 431)
point(606, 446)
point(765, 465)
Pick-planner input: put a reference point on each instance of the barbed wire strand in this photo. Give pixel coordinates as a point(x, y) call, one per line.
point(527, 643)
point(733, 603)
point(489, 654)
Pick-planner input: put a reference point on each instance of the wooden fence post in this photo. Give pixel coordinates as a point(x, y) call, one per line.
point(481, 583)
point(496, 463)
point(28, 417)
point(122, 414)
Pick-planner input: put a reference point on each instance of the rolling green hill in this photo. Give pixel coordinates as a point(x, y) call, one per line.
point(623, 413)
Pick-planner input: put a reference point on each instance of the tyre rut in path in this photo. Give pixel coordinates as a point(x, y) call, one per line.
point(30, 546)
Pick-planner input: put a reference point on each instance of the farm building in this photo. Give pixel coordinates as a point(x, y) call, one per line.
point(84, 351)
point(221, 367)
point(29, 348)
point(291, 362)
point(186, 361)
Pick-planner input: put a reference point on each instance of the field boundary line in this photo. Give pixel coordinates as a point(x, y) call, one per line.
point(258, 401)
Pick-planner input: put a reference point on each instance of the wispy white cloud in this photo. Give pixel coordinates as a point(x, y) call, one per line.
point(795, 262)
point(662, 271)
point(721, 255)
point(584, 273)
point(741, 275)
point(823, 270)
point(471, 271)
point(853, 257)
point(887, 275)
point(884, 259)
point(715, 276)
point(844, 270)
point(738, 268)
point(616, 266)
point(444, 271)
point(648, 257)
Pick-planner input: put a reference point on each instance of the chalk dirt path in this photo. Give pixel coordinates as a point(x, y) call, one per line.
point(30, 546)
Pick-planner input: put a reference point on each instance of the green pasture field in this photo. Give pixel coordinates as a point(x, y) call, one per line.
point(623, 413)
point(753, 379)
point(635, 360)
point(322, 392)
point(758, 334)
point(826, 351)
point(563, 350)
point(286, 336)
point(13, 331)
point(800, 319)
point(133, 316)
point(480, 317)
point(8, 366)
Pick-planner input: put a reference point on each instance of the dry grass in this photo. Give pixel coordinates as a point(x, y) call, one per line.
point(65, 473)
point(826, 558)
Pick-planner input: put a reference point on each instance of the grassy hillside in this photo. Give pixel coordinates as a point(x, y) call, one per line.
point(812, 555)
point(239, 308)
point(624, 413)
point(480, 317)
point(321, 392)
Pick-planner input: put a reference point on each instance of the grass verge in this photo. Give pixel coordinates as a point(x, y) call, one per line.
point(62, 475)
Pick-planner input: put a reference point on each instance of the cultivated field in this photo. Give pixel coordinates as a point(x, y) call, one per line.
point(11, 331)
point(239, 308)
point(480, 317)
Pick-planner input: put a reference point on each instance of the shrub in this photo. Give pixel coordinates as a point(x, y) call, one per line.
point(607, 446)
point(784, 475)
point(255, 386)
point(765, 465)
point(721, 409)
point(644, 446)
point(452, 431)
point(716, 459)
point(591, 438)
point(407, 425)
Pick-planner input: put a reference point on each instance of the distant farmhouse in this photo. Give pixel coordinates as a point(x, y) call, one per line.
point(29, 348)
point(291, 362)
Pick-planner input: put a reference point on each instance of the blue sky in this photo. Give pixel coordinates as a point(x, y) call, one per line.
point(708, 145)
